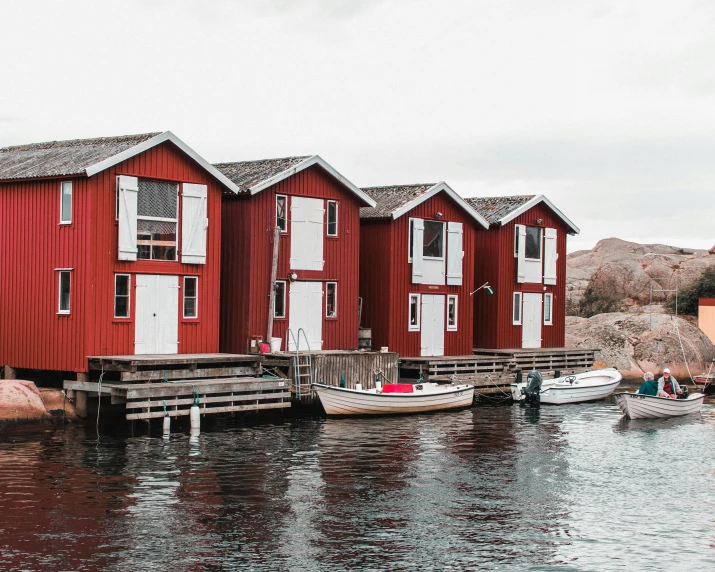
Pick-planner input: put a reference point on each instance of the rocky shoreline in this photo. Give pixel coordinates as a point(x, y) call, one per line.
point(23, 405)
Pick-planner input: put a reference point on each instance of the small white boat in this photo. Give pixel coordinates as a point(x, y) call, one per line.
point(393, 398)
point(587, 386)
point(638, 406)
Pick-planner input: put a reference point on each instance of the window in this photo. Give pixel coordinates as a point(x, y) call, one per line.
point(548, 309)
point(121, 295)
point(157, 216)
point(516, 240)
point(331, 300)
point(412, 236)
point(281, 212)
point(533, 243)
point(433, 241)
point(63, 306)
point(66, 202)
point(332, 218)
point(452, 313)
point(414, 325)
point(279, 303)
point(191, 299)
point(516, 312)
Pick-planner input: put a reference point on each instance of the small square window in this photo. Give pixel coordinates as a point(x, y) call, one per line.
point(121, 296)
point(414, 313)
point(279, 302)
point(66, 203)
point(331, 300)
point(281, 212)
point(452, 313)
point(548, 309)
point(64, 292)
point(516, 312)
point(332, 218)
point(191, 287)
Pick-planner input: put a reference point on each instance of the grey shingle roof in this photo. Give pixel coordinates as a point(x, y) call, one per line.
point(391, 199)
point(62, 158)
point(495, 208)
point(246, 174)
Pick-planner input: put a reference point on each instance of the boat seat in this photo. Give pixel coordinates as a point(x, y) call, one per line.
point(398, 388)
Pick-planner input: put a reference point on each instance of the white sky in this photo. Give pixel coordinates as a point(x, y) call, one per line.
point(606, 107)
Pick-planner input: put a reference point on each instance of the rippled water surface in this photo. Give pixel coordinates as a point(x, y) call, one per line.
point(571, 487)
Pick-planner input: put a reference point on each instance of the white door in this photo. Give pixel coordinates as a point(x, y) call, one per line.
point(531, 321)
point(306, 233)
point(433, 311)
point(306, 312)
point(157, 314)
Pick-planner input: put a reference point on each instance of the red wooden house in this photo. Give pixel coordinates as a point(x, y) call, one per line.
point(523, 257)
point(416, 269)
point(108, 246)
point(317, 212)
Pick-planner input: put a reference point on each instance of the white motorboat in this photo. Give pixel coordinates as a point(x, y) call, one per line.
point(586, 386)
point(638, 406)
point(393, 398)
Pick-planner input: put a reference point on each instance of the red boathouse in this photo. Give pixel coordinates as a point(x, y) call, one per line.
point(108, 246)
point(317, 213)
point(523, 258)
point(416, 269)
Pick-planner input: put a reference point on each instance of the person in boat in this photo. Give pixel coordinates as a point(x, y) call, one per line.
point(649, 385)
point(668, 386)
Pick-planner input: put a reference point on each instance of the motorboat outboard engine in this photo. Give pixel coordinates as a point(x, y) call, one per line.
point(684, 389)
point(532, 390)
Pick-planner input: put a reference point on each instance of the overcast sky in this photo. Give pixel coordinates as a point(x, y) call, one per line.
point(608, 108)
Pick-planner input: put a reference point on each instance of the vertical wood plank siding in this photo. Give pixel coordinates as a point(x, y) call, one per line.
point(247, 271)
point(34, 244)
point(495, 263)
point(386, 279)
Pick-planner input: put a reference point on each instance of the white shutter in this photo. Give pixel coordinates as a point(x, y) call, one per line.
point(194, 222)
point(306, 233)
point(417, 246)
point(128, 189)
point(521, 254)
point(455, 254)
point(550, 256)
point(317, 228)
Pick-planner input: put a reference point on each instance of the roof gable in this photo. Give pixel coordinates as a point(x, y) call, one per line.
point(87, 157)
point(255, 176)
point(501, 210)
point(396, 200)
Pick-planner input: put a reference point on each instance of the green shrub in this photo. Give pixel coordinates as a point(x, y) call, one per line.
point(703, 287)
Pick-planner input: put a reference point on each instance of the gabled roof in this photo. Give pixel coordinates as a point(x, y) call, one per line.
point(254, 176)
point(501, 210)
point(87, 157)
point(395, 200)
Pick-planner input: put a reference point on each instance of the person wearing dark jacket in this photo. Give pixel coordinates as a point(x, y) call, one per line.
point(649, 386)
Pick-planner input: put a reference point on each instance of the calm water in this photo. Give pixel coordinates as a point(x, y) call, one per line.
point(571, 488)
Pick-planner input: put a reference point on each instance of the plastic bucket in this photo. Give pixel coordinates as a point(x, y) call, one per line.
point(276, 345)
point(264, 348)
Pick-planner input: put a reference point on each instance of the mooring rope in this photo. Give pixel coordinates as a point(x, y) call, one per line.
point(682, 349)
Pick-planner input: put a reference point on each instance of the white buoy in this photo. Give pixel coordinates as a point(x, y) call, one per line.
point(378, 384)
point(358, 386)
point(167, 425)
point(195, 418)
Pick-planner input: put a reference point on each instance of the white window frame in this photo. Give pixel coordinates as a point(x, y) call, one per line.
point(62, 196)
point(327, 217)
point(60, 272)
point(550, 320)
point(129, 295)
point(285, 213)
point(444, 241)
point(161, 219)
point(195, 297)
point(516, 240)
point(410, 230)
point(413, 327)
point(516, 304)
point(452, 327)
point(276, 316)
point(335, 295)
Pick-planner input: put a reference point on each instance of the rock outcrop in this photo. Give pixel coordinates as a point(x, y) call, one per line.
point(641, 262)
point(22, 403)
point(627, 342)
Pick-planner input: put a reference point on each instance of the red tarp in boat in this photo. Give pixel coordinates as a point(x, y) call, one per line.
point(398, 388)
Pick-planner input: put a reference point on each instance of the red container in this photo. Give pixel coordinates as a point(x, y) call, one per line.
point(398, 388)
point(264, 348)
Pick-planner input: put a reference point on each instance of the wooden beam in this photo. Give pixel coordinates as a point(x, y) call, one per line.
point(180, 412)
point(210, 399)
point(88, 386)
point(179, 374)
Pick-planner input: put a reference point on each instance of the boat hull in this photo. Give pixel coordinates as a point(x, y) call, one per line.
point(587, 386)
point(638, 406)
point(342, 401)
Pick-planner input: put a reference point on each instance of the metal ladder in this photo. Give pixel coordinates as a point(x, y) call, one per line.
point(302, 363)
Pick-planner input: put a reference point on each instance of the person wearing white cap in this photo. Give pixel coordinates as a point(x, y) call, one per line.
point(668, 386)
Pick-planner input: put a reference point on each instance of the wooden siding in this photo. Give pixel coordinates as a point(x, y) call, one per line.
point(251, 281)
point(388, 299)
point(34, 244)
point(495, 263)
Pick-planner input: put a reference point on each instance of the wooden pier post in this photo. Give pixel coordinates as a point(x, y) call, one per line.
point(10, 372)
point(80, 404)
